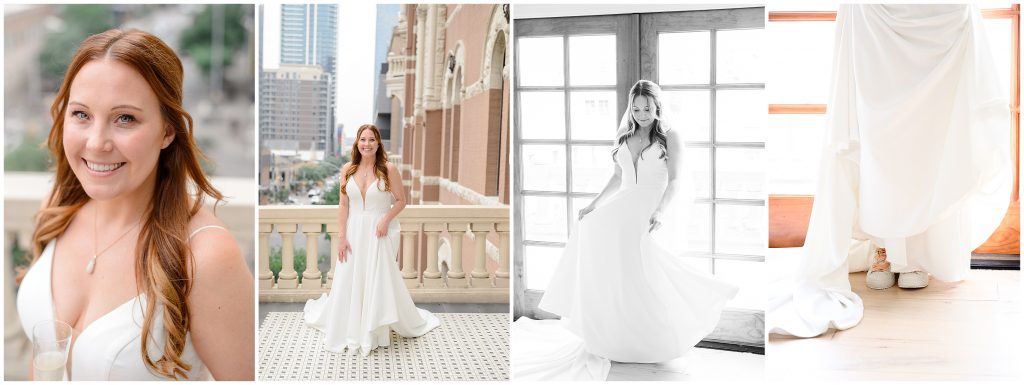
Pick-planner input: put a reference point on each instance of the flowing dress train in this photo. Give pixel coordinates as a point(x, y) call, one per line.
point(368, 298)
point(621, 295)
point(916, 158)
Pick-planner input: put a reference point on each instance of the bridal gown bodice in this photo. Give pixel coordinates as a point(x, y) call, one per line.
point(109, 348)
point(649, 172)
point(368, 297)
point(622, 294)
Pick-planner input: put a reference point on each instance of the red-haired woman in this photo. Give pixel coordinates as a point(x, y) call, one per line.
point(151, 283)
point(368, 298)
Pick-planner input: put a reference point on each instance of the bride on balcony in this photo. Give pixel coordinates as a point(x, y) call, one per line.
point(368, 299)
point(621, 295)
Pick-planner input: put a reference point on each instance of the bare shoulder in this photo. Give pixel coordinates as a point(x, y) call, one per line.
point(212, 244)
point(671, 133)
point(345, 168)
point(673, 139)
point(392, 168)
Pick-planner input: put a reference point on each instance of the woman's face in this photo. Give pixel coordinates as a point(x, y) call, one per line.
point(368, 144)
point(643, 111)
point(113, 129)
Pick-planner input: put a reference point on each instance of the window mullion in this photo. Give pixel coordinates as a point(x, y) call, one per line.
point(568, 133)
point(713, 126)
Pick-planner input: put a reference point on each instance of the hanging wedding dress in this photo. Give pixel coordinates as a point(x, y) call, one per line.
point(916, 158)
point(621, 295)
point(368, 298)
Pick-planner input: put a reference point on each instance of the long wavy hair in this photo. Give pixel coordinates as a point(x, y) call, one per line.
point(164, 262)
point(380, 162)
point(628, 126)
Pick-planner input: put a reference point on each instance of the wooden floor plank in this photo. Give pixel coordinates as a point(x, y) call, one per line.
point(969, 330)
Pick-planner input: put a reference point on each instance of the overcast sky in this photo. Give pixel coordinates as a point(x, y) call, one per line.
point(356, 72)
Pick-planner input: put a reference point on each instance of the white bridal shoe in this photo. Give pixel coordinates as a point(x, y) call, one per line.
point(913, 280)
point(879, 276)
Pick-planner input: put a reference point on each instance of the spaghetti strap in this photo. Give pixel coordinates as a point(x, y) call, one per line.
point(196, 231)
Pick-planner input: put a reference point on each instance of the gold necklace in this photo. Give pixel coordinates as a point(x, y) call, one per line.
point(92, 262)
point(366, 174)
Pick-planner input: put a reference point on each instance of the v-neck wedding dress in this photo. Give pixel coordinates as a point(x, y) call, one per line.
point(621, 295)
point(368, 298)
point(109, 348)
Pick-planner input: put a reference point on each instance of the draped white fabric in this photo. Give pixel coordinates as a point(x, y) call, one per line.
point(916, 158)
point(368, 298)
point(622, 296)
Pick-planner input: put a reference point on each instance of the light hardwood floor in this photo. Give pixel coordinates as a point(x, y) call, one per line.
point(970, 330)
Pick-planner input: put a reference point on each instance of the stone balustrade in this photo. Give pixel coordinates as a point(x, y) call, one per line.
point(24, 192)
point(396, 65)
point(465, 232)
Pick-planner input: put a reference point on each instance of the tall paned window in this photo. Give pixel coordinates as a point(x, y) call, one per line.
point(801, 41)
point(571, 83)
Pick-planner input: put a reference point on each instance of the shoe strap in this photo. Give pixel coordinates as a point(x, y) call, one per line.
point(880, 263)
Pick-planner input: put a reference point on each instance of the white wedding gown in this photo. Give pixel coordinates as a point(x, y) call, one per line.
point(109, 348)
point(621, 295)
point(916, 158)
point(368, 298)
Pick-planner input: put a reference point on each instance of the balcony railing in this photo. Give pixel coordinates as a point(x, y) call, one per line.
point(423, 230)
point(24, 192)
point(396, 65)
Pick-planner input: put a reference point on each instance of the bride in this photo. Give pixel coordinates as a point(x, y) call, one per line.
point(368, 298)
point(152, 284)
point(622, 295)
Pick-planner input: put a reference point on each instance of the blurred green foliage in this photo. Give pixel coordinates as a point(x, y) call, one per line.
point(19, 256)
point(79, 21)
point(29, 155)
point(315, 172)
point(197, 40)
point(281, 196)
point(300, 261)
point(331, 196)
point(337, 161)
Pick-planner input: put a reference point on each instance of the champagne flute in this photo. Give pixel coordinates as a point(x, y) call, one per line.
point(51, 342)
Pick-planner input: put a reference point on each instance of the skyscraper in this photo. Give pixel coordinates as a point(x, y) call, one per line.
point(294, 112)
point(309, 36)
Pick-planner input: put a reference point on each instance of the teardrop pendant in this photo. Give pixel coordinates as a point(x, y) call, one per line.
point(91, 266)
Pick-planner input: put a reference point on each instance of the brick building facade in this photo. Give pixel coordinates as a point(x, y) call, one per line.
point(448, 82)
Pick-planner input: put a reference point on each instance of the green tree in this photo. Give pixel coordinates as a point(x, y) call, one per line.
point(29, 155)
point(19, 256)
point(314, 172)
point(300, 261)
point(197, 40)
point(280, 196)
point(337, 161)
point(331, 196)
point(80, 21)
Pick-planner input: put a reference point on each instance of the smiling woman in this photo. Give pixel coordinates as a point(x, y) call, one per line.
point(369, 298)
point(151, 283)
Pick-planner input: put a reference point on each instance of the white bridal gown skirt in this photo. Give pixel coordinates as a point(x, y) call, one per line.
point(916, 158)
point(368, 298)
point(622, 297)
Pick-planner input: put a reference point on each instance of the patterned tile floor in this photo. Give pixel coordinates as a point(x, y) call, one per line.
point(465, 347)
